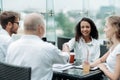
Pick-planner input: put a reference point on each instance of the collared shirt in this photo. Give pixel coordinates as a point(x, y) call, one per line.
point(32, 52)
point(5, 40)
point(81, 49)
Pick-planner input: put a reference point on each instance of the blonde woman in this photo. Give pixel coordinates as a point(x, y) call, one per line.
point(112, 66)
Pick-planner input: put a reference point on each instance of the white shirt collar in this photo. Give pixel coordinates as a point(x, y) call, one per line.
point(30, 37)
point(2, 31)
point(90, 43)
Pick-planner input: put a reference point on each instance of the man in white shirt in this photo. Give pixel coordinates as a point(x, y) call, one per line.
point(31, 51)
point(9, 21)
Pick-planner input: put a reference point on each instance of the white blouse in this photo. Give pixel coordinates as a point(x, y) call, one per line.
point(81, 49)
point(111, 60)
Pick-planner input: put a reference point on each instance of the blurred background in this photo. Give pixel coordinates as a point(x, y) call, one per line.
point(61, 16)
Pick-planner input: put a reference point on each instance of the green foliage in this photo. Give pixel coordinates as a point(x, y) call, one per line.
point(64, 23)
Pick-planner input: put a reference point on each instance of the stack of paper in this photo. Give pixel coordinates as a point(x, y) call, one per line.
point(61, 67)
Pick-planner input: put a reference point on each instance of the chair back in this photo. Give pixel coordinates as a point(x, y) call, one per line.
point(51, 42)
point(12, 72)
point(44, 39)
point(103, 50)
point(61, 41)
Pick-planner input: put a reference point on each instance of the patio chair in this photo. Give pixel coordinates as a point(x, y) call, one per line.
point(103, 50)
point(61, 41)
point(12, 72)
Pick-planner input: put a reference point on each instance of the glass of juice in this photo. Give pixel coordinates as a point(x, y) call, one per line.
point(86, 67)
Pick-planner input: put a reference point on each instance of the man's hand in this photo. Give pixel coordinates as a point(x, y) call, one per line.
point(65, 48)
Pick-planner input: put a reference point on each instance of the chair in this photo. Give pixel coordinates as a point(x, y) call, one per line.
point(11, 72)
point(51, 42)
point(61, 41)
point(44, 39)
point(103, 50)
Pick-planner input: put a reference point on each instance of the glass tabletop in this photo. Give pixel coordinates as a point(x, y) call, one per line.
point(77, 74)
point(75, 71)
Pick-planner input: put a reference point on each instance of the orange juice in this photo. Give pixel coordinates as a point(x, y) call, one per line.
point(86, 67)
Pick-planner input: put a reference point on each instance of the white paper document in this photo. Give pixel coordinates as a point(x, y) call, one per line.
point(61, 67)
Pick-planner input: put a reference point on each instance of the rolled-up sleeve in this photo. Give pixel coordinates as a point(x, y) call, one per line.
point(71, 43)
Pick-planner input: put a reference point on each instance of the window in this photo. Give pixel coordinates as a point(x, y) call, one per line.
point(61, 16)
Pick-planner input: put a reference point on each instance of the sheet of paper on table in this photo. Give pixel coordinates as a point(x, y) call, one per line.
point(61, 67)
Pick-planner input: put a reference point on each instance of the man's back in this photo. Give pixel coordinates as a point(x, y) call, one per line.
point(31, 51)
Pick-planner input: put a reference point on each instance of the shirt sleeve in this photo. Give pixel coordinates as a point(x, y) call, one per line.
point(56, 55)
point(117, 49)
point(71, 43)
point(60, 57)
point(2, 54)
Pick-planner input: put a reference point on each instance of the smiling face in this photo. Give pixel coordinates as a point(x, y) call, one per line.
point(85, 28)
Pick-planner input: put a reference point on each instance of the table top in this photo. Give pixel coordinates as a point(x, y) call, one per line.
point(77, 74)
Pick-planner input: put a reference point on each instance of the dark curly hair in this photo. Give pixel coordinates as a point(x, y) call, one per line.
point(93, 33)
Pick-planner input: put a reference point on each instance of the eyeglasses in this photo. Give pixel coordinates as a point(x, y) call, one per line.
point(17, 23)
